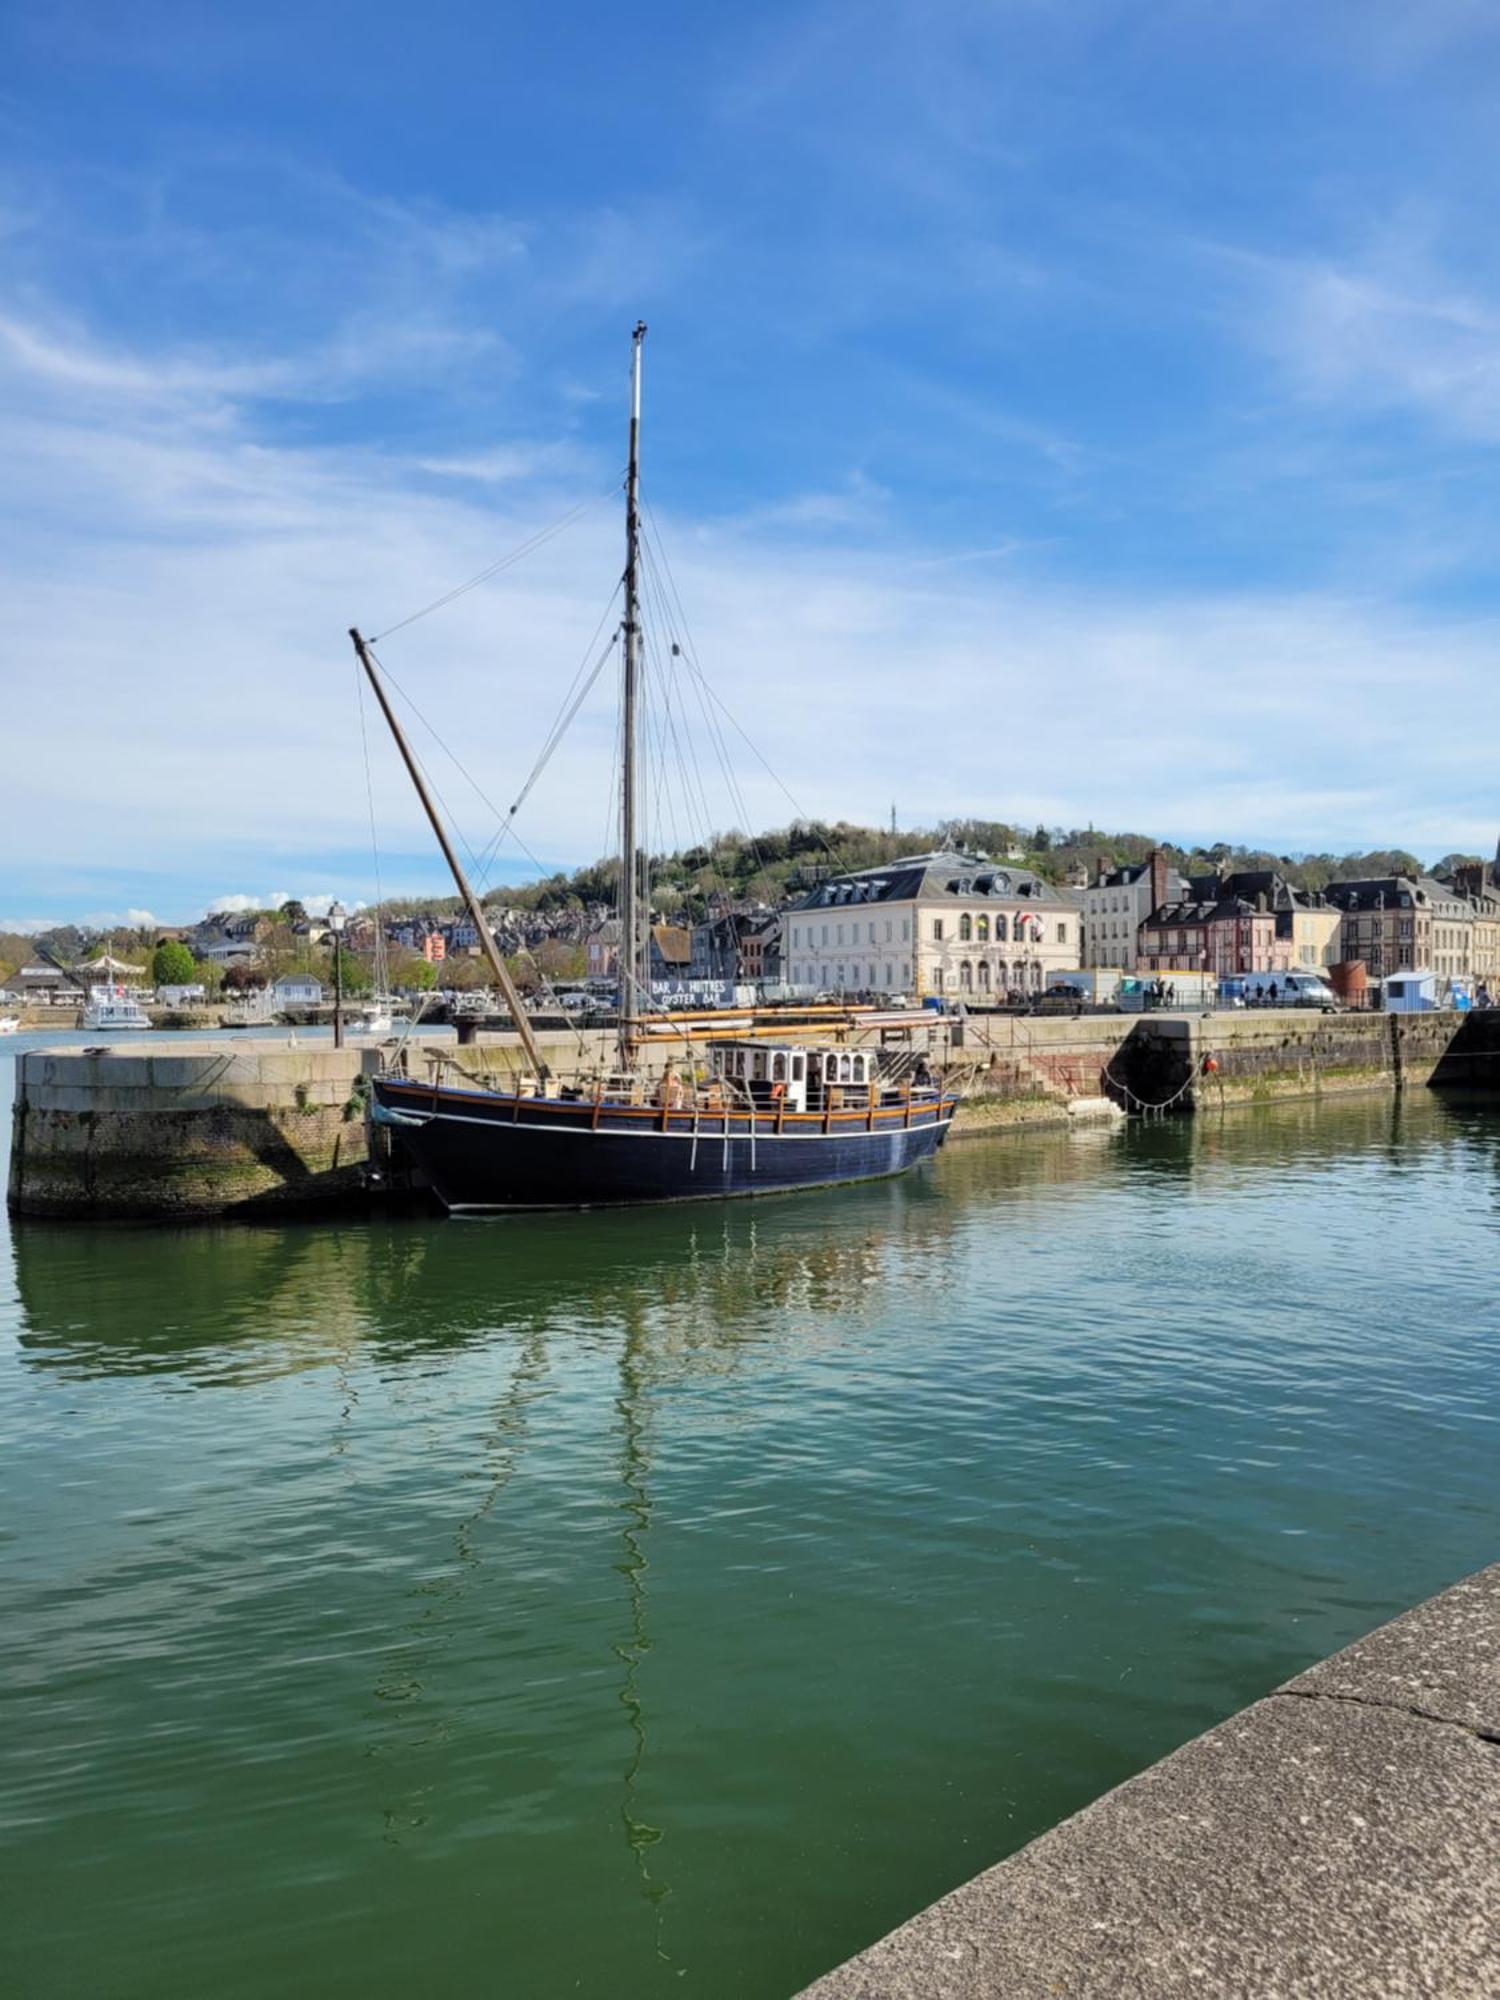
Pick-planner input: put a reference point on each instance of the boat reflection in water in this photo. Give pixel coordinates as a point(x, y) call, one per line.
point(252, 1303)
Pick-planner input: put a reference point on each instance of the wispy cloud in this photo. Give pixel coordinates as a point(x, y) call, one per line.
point(1033, 438)
point(1374, 336)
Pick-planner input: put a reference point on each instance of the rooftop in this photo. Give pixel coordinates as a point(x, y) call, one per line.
point(927, 877)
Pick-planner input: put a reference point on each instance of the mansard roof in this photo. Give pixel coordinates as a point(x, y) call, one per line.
point(931, 877)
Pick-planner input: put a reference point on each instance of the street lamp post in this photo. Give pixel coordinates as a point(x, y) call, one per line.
point(337, 915)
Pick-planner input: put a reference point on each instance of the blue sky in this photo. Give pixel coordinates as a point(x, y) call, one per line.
point(1052, 411)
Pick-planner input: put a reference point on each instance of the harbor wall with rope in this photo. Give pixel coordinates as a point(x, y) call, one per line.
point(1029, 1071)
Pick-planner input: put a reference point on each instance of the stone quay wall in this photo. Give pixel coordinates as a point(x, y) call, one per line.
point(217, 1127)
point(1337, 1840)
point(222, 1125)
point(1205, 1062)
point(233, 1125)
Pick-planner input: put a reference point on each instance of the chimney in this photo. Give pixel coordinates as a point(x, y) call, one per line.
point(1158, 878)
point(1101, 868)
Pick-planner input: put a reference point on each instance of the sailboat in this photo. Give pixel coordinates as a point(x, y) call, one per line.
point(766, 1115)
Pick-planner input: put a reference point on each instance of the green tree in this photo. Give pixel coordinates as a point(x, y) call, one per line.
point(356, 973)
point(172, 964)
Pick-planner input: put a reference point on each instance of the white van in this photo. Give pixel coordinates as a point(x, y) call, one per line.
point(1288, 989)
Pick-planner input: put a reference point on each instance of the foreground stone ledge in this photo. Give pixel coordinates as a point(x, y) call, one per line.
point(1340, 1838)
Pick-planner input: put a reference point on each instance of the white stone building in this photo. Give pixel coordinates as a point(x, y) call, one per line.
point(949, 924)
point(1118, 902)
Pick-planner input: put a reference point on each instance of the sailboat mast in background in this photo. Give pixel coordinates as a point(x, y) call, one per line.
point(635, 965)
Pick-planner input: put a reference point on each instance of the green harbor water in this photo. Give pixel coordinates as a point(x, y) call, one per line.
point(633, 1605)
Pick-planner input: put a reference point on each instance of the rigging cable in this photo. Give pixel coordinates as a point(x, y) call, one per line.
point(695, 794)
point(515, 555)
point(716, 740)
point(690, 654)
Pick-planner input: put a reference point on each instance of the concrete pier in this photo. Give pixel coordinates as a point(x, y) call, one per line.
point(196, 1128)
point(218, 1125)
point(1336, 1841)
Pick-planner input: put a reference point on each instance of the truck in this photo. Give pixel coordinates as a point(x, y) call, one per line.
point(1095, 988)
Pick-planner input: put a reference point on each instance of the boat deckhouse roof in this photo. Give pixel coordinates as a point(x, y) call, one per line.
point(930, 878)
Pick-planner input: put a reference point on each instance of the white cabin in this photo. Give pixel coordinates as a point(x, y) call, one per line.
point(772, 1073)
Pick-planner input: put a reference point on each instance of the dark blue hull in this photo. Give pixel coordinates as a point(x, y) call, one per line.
point(482, 1151)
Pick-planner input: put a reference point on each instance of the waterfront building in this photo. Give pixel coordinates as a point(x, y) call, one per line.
point(1223, 935)
point(297, 989)
point(715, 947)
point(1308, 922)
point(601, 951)
point(1478, 883)
point(671, 953)
point(1118, 902)
point(942, 923)
point(760, 949)
point(1399, 923)
point(225, 938)
point(43, 986)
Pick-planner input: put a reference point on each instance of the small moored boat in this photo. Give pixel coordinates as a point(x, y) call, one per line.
point(111, 1007)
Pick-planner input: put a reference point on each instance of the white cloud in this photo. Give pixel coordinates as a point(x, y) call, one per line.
point(181, 586)
point(30, 926)
point(1385, 326)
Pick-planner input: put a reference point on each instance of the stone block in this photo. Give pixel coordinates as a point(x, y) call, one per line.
point(1442, 1659)
point(1338, 1840)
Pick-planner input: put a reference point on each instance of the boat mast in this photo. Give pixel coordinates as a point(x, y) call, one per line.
point(635, 965)
point(465, 889)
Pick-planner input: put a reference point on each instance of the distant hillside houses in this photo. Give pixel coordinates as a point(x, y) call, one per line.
point(951, 922)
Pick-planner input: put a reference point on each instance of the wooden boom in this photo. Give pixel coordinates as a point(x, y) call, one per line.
point(487, 943)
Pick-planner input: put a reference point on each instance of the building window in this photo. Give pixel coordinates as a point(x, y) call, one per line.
point(1062, 933)
point(905, 930)
point(937, 979)
point(984, 975)
point(937, 930)
point(890, 980)
point(966, 975)
point(983, 931)
point(965, 928)
point(1002, 930)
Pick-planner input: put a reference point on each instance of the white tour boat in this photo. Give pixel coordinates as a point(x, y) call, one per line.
point(113, 1007)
